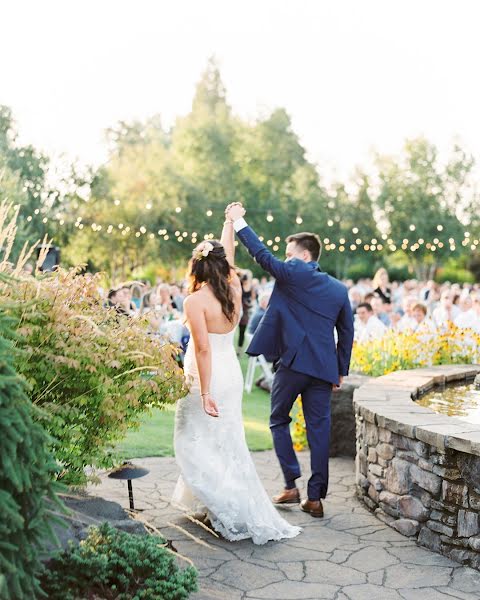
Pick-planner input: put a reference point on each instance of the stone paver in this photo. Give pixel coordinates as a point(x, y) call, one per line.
point(348, 555)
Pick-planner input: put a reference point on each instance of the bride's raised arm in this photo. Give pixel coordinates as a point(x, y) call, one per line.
point(228, 241)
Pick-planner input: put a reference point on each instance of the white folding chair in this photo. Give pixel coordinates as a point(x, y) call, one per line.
point(253, 363)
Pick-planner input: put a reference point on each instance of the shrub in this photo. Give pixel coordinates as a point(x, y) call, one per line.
point(93, 373)
point(27, 470)
point(117, 565)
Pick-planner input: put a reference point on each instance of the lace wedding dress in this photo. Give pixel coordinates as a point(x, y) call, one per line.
point(217, 472)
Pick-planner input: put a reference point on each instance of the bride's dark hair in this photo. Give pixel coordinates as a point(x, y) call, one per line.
point(213, 269)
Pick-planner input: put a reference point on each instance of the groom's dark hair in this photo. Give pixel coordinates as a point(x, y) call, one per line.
point(307, 241)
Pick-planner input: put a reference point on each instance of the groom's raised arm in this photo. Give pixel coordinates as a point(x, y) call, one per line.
point(279, 269)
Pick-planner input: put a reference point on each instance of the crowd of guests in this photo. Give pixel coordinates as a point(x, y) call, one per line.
point(162, 305)
point(378, 305)
point(417, 306)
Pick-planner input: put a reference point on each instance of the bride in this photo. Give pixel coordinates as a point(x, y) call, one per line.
point(217, 472)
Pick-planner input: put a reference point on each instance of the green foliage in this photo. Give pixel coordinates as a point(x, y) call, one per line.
point(27, 470)
point(454, 270)
point(421, 199)
point(117, 565)
point(92, 372)
point(158, 182)
point(454, 275)
point(22, 177)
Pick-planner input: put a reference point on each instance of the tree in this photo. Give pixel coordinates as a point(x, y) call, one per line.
point(418, 201)
point(27, 470)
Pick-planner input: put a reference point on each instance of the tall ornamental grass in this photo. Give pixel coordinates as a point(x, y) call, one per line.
point(91, 372)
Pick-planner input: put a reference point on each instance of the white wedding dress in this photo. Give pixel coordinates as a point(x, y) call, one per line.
point(217, 472)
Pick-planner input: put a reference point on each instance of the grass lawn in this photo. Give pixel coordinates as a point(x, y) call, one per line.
point(155, 435)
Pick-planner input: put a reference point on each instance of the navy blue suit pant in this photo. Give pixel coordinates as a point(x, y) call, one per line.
point(316, 395)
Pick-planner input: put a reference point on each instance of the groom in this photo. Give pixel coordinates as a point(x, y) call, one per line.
point(297, 334)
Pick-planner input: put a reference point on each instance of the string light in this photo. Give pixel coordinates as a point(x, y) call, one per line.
point(341, 245)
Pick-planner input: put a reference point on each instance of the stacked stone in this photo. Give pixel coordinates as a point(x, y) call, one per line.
point(421, 490)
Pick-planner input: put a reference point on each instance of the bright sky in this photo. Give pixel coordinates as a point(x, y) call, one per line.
point(353, 74)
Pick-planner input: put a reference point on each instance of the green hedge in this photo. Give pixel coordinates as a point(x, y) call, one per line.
point(117, 565)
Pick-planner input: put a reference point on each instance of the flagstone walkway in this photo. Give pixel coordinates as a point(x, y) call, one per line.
point(348, 555)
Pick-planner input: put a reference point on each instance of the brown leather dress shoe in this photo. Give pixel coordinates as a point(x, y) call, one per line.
point(287, 497)
point(312, 507)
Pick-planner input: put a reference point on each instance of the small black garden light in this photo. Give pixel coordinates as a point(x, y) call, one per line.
point(129, 471)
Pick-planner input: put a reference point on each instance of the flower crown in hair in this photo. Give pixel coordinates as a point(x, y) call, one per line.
point(202, 250)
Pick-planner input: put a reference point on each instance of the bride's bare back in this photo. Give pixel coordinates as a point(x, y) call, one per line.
point(203, 306)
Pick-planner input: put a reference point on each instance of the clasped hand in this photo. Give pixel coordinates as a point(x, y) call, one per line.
point(234, 211)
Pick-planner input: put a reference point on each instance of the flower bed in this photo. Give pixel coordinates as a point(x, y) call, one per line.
point(399, 351)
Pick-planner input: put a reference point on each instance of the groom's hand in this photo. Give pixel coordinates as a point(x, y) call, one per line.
point(340, 381)
point(234, 211)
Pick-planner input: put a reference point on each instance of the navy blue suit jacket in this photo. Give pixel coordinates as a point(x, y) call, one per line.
point(305, 308)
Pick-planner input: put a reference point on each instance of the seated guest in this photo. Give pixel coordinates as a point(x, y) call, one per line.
point(149, 308)
point(424, 324)
point(407, 322)
point(119, 299)
point(355, 297)
point(465, 303)
point(368, 326)
point(137, 293)
point(165, 303)
point(395, 317)
point(257, 316)
point(378, 307)
point(470, 319)
point(447, 312)
point(381, 286)
point(178, 297)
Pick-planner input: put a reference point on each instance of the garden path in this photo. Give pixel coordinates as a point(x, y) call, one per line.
point(348, 555)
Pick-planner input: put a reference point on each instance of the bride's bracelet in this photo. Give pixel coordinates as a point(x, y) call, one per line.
point(205, 394)
point(228, 222)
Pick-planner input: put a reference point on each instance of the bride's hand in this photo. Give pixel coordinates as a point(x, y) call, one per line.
point(209, 405)
point(235, 211)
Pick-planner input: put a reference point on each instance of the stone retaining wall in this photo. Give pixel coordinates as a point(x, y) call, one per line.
point(342, 430)
point(417, 470)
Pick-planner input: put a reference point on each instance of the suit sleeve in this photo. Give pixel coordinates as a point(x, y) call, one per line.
point(279, 269)
point(344, 326)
